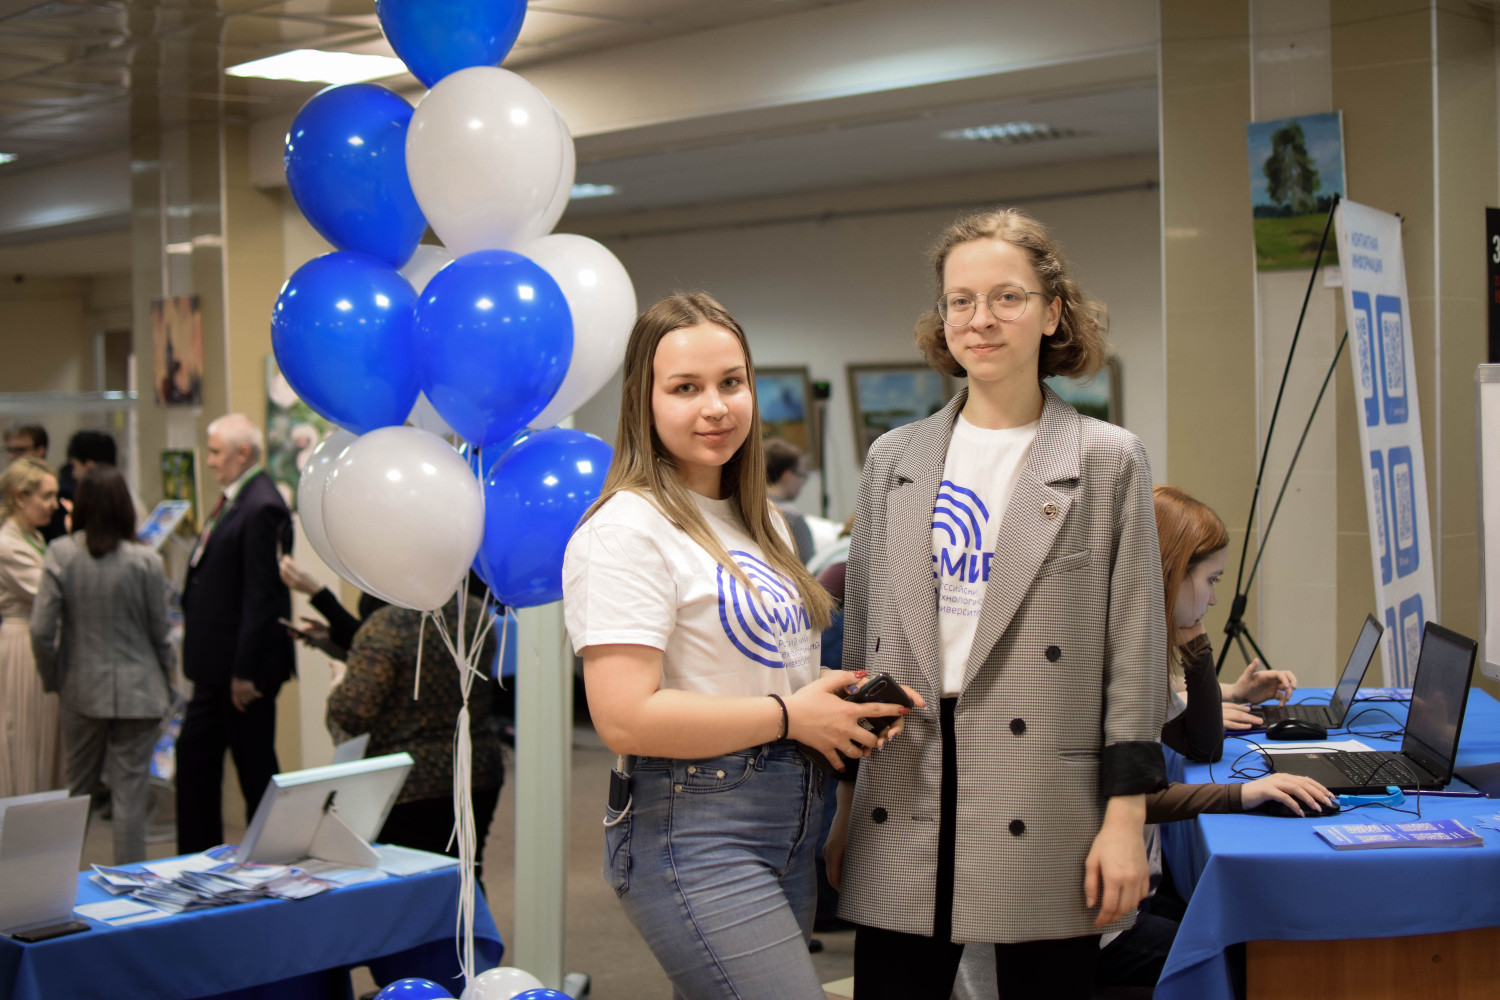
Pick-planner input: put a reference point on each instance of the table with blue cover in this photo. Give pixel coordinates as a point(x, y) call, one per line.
point(282, 949)
point(1252, 878)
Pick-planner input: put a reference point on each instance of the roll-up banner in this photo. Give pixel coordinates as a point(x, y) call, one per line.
point(1390, 431)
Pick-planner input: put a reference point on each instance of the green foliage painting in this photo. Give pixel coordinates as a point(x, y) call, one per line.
point(1296, 168)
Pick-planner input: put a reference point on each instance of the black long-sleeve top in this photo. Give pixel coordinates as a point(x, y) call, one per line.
point(1198, 733)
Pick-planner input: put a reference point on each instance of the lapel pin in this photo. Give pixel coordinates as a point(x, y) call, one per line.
point(1049, 510)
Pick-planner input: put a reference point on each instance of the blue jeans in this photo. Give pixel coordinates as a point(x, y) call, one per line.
point(713, 862)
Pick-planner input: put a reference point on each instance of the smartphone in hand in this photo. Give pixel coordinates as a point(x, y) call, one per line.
point(880, 688)
point(292, 626)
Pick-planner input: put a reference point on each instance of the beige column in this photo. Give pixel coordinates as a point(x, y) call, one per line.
point(1416, 82)
point(199, 228)
point(1208, 266)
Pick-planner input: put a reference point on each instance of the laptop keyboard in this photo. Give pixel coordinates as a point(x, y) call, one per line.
point(1362, 768)
point(1304, 713)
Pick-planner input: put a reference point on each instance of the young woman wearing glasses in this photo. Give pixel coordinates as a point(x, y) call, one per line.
point(1004, 564)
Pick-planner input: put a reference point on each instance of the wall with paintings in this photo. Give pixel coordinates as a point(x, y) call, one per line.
point(845, 289)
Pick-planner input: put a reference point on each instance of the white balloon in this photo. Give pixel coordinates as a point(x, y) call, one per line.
point(425, 415)
point(484, 153)
point(427, 261)
point(602, 301)
point(310, 496)
point(564, 189)
point(501, 984)
point(405, 514)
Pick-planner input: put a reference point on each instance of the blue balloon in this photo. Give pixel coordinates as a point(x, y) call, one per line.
point(414, 989)
point(438, 37)
point(494, 337)
point(532, 502)
point(346, 165)
point(342, 334)
point(541, 995)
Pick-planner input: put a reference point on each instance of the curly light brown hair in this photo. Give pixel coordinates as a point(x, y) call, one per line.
point(1075, 349)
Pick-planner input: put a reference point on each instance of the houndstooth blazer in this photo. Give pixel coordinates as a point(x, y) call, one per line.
point(1063, 693)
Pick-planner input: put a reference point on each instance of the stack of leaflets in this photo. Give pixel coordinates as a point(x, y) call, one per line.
point(1420, 833)
point(203, 881)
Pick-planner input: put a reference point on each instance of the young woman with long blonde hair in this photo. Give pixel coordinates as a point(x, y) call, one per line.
point(699, 632)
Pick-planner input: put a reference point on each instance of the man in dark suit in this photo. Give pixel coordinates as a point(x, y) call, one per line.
point(234, 651)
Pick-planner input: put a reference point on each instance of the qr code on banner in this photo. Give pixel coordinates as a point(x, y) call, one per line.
point(1377, 486)
point(1395, 367)
point(1366, 358)
point(1405, 521)
point(1411, 634)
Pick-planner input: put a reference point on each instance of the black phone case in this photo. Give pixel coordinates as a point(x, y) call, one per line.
point(880, 688)
point(51, 931)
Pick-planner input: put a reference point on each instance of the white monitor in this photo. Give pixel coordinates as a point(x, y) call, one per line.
point(1487, 414)
point(325, 812)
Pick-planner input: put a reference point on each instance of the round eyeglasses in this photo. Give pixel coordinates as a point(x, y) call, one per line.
point(1005, 302)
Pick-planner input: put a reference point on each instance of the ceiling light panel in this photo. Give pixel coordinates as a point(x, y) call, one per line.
point(1010, 133)
point(316, 66)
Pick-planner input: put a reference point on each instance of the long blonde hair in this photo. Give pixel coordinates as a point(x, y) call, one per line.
point(22, 477)
point(643, 465)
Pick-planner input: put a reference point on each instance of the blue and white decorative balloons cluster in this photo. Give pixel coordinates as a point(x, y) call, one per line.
point(492, 338)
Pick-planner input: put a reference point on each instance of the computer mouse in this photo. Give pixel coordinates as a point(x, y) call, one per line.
point(1295, 729)
point(1275, 808)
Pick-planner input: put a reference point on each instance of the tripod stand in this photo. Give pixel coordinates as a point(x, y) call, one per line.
point(1235, 628)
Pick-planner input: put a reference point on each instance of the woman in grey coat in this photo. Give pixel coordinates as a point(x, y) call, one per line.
point(99, 634)
point(1004, 563)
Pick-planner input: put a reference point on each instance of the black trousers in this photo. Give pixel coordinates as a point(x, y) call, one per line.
point(211, 725)
point(890, 965)
point(427, 824)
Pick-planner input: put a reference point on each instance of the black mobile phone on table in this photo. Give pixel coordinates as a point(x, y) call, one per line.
point(883, 689)
point(34, 934)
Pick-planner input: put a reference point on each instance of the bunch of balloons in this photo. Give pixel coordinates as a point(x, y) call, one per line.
point(487, 341)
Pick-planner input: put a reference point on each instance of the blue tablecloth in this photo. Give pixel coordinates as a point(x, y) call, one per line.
point(1255, 878)
point(280, 949)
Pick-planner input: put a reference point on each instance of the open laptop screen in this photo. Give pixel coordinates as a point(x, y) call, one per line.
point(1354, 670)
point(1445, 667)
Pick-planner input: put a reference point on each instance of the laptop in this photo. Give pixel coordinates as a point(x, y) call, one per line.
point(1439, 694)
point(1331, 715)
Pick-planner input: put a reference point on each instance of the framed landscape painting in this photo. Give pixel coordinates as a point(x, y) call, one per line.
point(787, 410)
point(885, 397)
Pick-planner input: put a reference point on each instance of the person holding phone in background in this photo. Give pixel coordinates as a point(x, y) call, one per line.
point(698, 627)
point(1004, 563)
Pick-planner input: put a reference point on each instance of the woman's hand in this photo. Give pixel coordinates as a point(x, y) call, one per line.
point(1257, 685)
point(820, 718)
point(1116, 876)
point(1239, 717)
point(297, 578)
point(838, 836)
point(895, 728)
point(1301, 795)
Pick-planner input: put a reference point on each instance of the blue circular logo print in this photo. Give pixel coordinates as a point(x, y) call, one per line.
point(753, 621)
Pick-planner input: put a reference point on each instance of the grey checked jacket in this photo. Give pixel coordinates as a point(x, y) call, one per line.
point(1063, 694)
point(99, 629)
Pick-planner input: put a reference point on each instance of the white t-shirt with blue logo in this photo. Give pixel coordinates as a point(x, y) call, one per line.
point(630, 576)
point(979, 475)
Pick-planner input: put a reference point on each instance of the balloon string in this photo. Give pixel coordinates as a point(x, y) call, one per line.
point(416, 684)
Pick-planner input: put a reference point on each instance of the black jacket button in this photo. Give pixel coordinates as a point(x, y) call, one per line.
point(1017, 828)
point(879, 814)
point(1018, 726)
point(1054, 653)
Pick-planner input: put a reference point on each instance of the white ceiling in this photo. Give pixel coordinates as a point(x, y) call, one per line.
point(74, 74)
